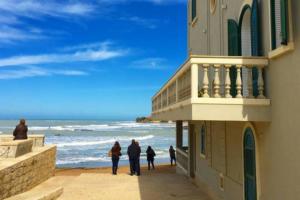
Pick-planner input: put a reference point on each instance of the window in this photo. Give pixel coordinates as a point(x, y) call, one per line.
point(279, 23)
point(203, 140)
point(194, 9)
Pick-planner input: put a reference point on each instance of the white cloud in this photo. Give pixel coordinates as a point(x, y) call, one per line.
point(37, 8)
point(150, 63)
point(148, 23)
point(102, 52)
point(13, 27)
point(32, 71)
point(9, 34)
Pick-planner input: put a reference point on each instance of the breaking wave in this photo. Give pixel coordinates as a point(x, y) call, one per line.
point(101, 127)
point(90, 143)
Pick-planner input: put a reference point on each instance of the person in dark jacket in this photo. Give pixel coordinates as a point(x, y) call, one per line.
point(172, 155)
point(133, 153)
point(150, 157)
point(115, 157)
point(20, 132)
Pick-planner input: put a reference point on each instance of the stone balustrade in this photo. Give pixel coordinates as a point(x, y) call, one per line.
point(213, 78)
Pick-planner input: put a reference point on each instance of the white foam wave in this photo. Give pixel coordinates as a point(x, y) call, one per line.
point(81, 160)
point(108, 141)
point(101, 127)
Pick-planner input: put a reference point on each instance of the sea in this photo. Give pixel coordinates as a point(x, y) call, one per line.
point(86, 143)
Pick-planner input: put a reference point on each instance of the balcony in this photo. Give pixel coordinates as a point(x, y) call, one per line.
point(215, 88)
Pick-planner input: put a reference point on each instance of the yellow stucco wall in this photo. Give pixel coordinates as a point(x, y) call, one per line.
point(278, 142)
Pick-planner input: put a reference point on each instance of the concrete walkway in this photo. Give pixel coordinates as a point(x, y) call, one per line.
point(153, 185)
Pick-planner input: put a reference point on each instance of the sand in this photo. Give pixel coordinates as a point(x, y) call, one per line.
point(163, 168)
point(163, 183)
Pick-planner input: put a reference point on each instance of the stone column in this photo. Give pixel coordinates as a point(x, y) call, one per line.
point(191, 151)
point(179, 130)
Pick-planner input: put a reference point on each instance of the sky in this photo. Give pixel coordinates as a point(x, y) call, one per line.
point(87, 59)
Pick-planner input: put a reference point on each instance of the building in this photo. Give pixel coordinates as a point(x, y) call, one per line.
point(239, 91)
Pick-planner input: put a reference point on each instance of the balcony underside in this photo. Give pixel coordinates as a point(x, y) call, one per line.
point(217, 109)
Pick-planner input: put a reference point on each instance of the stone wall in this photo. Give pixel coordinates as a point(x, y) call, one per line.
point(20, 174)
point(15, 148)
point(38, 140)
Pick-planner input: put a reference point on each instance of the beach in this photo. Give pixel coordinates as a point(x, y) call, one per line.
point(85, 143)
point(162, 168)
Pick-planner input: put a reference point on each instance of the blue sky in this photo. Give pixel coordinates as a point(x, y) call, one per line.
point(79, 59)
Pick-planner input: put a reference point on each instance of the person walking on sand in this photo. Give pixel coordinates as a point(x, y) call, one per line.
point(150, 157)
point(20, 132)
point(115, 157)
point(172, 155)
point(133, 152)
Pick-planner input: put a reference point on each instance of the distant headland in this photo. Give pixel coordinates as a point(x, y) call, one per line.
point(147, 120)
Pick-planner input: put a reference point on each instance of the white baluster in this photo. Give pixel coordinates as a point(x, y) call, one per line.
point(227, 82)
point(250, 83)
point(217, 82)
point(239, 82)
point(205, 81)
point(260, 83)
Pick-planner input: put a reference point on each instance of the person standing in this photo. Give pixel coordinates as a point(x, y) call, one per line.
point(172, 155)
point(150, 157)
point(115, 157)
point(20, 132)
point(133, 152)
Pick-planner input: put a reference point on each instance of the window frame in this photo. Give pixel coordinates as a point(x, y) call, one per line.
point(277, 51)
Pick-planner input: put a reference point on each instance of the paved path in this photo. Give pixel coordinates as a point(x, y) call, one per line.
point(151, 185)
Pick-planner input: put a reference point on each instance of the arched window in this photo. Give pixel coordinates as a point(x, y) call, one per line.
point(249, 165)
point(203, 140)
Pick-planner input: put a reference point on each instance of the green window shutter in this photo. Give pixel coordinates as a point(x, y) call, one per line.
point(233, 38)
point(233, 50)
point(273, 24)
point(255, 43)
point(194, 9)
point(284, 21)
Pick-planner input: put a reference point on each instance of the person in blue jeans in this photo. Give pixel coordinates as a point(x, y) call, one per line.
point(115, 157)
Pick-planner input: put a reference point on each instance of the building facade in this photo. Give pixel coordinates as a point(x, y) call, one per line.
point(239, 91)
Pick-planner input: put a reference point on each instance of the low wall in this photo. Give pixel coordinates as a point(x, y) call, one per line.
point(38, 140)
point(20, 174)
point(15, 148)
point(182, 159)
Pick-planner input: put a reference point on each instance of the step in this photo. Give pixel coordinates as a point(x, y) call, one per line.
point(47, 190)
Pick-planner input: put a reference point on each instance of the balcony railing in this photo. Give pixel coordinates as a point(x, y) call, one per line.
point(212, 78)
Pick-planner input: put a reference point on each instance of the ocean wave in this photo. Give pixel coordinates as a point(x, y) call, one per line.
point(108, 141)
point(77, 160)
point(101, 127)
